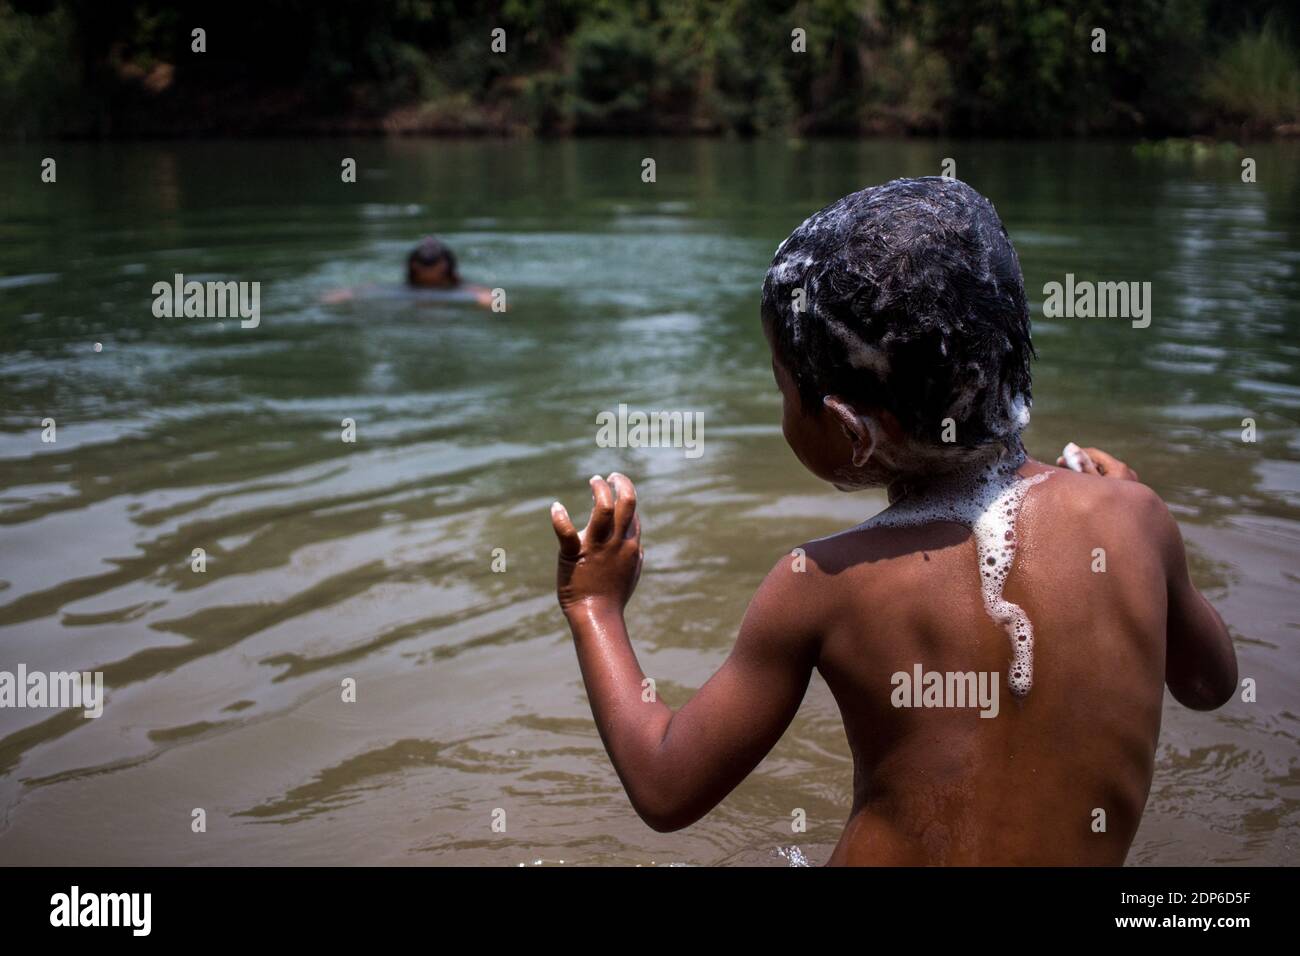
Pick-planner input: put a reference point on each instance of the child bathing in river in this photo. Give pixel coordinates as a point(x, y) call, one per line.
point(431, 276)
point(998, 688)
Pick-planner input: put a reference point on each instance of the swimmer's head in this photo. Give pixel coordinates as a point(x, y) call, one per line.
point(899, 333)
point(431, 265)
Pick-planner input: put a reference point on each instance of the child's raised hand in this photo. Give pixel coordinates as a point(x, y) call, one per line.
point(1094, 461)
point(601, 565)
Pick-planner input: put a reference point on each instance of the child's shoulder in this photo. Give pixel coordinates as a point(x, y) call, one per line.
point(1100, 501)
point(1067, 502)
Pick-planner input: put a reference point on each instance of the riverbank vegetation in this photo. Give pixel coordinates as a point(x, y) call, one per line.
point(103, 68)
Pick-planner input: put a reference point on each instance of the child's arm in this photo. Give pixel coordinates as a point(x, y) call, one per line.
point(1200, 663)
point(675, 766)
point(482, 295)
point(335, 296)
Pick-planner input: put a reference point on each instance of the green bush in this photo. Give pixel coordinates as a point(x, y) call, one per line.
point(614, 73)
point(39, 74)
point(1257, 79)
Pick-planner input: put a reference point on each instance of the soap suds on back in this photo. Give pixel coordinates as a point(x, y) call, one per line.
point(985, 498)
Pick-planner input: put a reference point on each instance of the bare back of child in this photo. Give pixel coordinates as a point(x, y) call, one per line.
point(997, 640)
point(1060, 773)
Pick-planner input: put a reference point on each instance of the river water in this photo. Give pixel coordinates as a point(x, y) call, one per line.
point(373, 560)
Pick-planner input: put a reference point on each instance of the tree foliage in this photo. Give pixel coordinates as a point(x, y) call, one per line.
point(1017, 67)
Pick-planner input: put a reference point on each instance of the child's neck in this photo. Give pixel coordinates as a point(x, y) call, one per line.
point(984, 494)
point(1000, 460)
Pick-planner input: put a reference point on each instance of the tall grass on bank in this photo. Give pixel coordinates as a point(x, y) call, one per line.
point(1257, 80)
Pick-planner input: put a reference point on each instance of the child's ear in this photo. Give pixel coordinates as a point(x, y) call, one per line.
point(859, 429)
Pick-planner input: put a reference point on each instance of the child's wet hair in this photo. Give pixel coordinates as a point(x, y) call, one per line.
point(430, 252)
point(913, 301)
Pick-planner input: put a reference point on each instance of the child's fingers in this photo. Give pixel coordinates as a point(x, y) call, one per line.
point(602, 510)
point(624, 503)
point(1087, 465)
point(633, 532)
point(1110, 466)
point(1103, 462)
point(570, 542)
